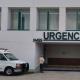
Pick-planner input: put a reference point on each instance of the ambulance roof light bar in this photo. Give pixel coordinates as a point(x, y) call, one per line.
point(3, 49)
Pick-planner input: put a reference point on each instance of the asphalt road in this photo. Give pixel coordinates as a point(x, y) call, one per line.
point(47, 75)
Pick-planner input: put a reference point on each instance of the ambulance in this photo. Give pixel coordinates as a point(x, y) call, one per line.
point(9, 64)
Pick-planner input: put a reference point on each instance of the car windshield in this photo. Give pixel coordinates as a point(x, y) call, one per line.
point(10, 56)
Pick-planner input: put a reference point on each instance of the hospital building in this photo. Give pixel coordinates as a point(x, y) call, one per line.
point(48, 28)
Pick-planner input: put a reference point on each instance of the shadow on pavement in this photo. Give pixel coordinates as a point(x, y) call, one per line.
point(17, 74)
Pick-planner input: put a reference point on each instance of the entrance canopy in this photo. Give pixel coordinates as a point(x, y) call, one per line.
point(54, 42)
point(58, 37)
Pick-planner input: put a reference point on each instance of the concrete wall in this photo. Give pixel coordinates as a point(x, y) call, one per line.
point(40, 3)
point(63, 51)
point(38, 53)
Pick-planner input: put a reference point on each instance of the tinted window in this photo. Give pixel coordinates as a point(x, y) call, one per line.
point(2, 57)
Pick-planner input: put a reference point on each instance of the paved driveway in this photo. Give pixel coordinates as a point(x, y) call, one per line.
point(47, 75)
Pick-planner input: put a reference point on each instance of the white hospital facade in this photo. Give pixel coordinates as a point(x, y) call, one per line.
point(30, 28)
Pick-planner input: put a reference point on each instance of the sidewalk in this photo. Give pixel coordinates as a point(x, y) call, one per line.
point(47, 75)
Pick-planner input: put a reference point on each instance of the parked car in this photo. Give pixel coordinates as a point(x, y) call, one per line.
point(9, 64)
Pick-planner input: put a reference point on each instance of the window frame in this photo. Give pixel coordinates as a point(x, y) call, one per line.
point(22, 10)
point(47, 10)
point(77, 12)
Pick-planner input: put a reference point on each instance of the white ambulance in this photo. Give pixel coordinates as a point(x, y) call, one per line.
point(9, 64)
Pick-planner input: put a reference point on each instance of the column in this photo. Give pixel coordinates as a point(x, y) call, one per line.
point(33, 18)
point(62, 19)
point(4, 18)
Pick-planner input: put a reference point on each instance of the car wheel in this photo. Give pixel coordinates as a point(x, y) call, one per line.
point(9, 71)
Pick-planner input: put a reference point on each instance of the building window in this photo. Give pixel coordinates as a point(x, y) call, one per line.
point(73, 19)
point(20, 19)
point(48, 19)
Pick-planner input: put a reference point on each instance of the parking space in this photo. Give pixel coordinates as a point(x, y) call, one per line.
point(47, 75)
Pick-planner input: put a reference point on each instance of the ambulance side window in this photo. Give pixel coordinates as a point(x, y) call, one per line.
point(2, 57)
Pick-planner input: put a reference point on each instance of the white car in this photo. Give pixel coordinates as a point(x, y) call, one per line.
point(9, 64)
